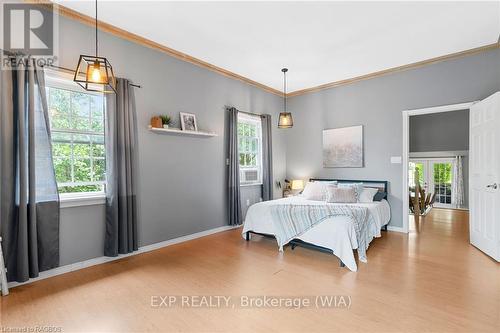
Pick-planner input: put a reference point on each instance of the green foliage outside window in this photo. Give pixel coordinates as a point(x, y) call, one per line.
point(442, 182)
point(443, 173)
point(420, 168)
point(411, 174)
point(248, 144)
point(77, 124)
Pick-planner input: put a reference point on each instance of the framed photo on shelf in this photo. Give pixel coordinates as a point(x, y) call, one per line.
point(188, 122)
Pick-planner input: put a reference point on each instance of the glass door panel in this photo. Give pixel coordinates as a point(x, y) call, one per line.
point(442, 179)
point(422, 167)
point(435, 176)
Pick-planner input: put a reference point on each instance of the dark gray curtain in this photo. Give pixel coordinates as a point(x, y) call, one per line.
point(267, 158)
point(29, 213)
point(121, 170)
point(234, 205)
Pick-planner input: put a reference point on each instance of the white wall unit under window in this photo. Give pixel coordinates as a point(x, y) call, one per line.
point(77, 120)
point(250, 149)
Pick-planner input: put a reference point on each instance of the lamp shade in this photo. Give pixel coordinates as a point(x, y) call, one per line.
point(297, 184)
point(285, 120)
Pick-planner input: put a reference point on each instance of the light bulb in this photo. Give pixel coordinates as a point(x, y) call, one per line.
point(94, 73)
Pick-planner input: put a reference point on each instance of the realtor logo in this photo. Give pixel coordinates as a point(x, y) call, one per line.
point(28, 29)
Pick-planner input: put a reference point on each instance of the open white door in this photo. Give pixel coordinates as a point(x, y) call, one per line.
point(484, 175)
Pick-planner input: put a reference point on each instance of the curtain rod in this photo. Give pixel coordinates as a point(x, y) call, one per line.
point(245, 112)
point(252, 114)
point(72, 72)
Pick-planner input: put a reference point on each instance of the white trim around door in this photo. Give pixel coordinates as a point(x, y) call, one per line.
point(406, 146)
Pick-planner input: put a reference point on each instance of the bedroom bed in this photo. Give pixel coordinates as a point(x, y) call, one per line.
point(334, 234)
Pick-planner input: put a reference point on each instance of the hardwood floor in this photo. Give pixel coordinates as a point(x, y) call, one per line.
point(429, 280)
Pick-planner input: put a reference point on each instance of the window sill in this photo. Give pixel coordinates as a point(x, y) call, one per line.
point(82, 199)
point(250, 184)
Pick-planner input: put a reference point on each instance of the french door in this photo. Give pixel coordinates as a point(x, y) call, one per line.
point(435, 176)
point(484, 175)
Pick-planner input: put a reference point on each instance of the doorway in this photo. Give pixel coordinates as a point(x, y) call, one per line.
point(435, 171)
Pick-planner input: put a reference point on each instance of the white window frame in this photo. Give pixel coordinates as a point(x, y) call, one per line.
point(64, 80)
point(253, 120)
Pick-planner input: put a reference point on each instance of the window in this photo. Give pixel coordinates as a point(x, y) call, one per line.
point(250, 149)
point(77, 126)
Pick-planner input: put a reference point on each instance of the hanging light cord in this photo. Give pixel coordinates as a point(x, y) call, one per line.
point(96, 49)
point(284, 89)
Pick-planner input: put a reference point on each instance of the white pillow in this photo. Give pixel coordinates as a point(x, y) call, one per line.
point(341, 194)
point(367, 194)
point(315, 191)
point(358, 188)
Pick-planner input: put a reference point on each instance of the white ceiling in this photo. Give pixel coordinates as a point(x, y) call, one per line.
point(320, 42)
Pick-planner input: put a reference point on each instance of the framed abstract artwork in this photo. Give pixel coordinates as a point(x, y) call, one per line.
point(343, 147)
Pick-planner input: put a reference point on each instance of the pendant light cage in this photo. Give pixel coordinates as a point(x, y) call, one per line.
point(285, 119)
point(95, 73)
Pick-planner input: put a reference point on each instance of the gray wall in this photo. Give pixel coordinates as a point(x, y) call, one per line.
point(181, 179)
point(440, 131)
point(377, 105)
point(81, 233)
point(446, 133)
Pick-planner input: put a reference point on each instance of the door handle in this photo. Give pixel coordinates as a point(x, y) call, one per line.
point(493, 186)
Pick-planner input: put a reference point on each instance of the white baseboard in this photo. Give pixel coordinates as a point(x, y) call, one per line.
point(102, 260)
point(395, 229)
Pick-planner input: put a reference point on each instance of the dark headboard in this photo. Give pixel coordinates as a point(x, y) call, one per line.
point(381, 185)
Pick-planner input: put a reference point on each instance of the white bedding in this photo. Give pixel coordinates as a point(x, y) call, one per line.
point(336, 233)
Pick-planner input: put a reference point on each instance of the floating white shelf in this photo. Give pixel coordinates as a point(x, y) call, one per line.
point(177, 131)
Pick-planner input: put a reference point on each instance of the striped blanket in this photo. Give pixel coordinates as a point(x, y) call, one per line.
point(291, 221)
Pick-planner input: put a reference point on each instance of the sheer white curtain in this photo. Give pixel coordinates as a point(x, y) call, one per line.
point(457, 191)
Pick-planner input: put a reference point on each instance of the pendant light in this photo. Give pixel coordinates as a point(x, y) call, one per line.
point(285, 119)
point(94, 73)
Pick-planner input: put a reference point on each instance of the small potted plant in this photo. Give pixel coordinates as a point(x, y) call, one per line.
point(166, 121)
